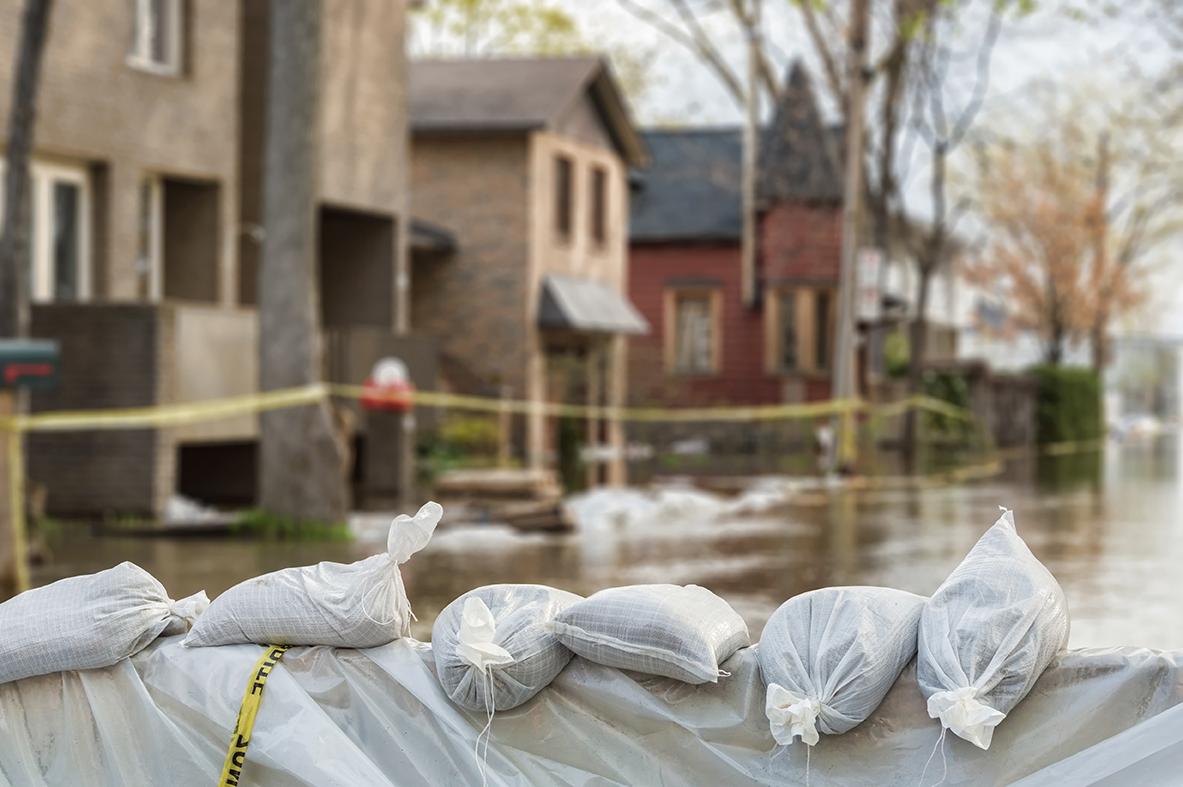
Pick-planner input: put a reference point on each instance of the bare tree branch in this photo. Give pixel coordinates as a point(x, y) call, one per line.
point(768, 76)
point(692, 38)
point(829, 63)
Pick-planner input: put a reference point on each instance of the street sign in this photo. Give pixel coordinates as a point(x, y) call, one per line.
point(870, 263)
point(29, 363)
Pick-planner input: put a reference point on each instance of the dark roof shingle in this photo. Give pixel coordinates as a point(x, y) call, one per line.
point(796, 157)
point(691, 189)
point(468, 95)
point(492, 93)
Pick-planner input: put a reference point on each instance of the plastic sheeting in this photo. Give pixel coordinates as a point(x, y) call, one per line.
point(379, 717)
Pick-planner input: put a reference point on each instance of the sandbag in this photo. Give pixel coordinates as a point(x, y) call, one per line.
point(89, 621)
point(988, 633)
point(678, 632)
point(495, 646)
point(828, 657)
point(355, 605)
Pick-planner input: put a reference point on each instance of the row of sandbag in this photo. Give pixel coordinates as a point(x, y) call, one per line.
point(96, 620)
point(828, 657)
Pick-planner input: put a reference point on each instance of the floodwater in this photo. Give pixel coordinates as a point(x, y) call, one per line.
point(1109, 526)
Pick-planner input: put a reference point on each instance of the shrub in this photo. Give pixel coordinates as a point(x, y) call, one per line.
point(1068, 404)
point(951, 387)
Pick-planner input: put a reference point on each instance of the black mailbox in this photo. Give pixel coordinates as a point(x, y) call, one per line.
point(29, 363)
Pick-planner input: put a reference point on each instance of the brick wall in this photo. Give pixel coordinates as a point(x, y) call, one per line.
point(109, 359)
point(474, 301)
point(801, 241)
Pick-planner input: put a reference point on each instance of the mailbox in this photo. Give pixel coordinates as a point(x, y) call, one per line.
point(29, 363)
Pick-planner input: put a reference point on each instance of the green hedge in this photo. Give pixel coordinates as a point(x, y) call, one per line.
point(951, 387)
point(1068, 404)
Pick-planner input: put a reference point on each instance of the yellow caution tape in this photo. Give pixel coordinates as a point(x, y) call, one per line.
point(244, 727)
point(165, 414)
point(180, 414)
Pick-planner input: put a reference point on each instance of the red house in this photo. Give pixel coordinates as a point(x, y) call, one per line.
point(707, 346)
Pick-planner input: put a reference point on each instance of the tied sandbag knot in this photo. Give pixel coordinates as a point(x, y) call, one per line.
point(791, 715)
point(478, 629)
point(189, 608)
point(386, 602)
point(960, 711)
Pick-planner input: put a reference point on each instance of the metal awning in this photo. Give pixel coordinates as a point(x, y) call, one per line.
point(431, 238)
point(574, 303)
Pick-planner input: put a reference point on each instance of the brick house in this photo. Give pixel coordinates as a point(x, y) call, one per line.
point(146, 211)
point(707, 346)
point(525, 162)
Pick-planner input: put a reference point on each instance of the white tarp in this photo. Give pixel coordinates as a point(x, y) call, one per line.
point(378, 717)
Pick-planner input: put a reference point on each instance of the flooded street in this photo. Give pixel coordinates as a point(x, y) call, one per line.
point(1109, 527)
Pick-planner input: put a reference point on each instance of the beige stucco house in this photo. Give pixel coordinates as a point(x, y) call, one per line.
point(525, 163)
point(146, 226)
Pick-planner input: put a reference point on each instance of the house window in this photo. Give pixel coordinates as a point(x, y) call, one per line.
point(693, 327)
point(799, 329)
point(786, 331)
point(599, 206)
point(564, 177)
point(821, 329)
point(157, 36)
point(59, 233)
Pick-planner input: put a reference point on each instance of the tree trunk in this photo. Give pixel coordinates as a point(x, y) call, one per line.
point(845, 382)
point(1055, 345)
point(917, 349)
point(14, 241)
point(1100, 342)
point(302, 458)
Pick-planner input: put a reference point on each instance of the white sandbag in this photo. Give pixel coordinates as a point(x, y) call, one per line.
point(828, 657)
point(355, 605)
point(988, 633)
point(89, 622)
point(495, 646)
point(679, 632)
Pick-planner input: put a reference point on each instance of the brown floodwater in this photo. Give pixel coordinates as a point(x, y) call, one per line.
point(1109, 526)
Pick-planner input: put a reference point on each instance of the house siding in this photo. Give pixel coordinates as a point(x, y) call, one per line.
point(800, 244)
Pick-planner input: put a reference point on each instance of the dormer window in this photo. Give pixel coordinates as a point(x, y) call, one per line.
point(157, 36)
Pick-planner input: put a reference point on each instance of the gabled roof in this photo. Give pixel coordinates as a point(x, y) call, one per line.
point(692, 187)
point(692, 190)
point(796, 158)
point(475, 95)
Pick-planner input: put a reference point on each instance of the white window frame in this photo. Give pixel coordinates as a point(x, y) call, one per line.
point(42, 177)
point(153, 265)
point(140, 56)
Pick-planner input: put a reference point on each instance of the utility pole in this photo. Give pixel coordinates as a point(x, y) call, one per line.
point(844, 352)
point(750, 153)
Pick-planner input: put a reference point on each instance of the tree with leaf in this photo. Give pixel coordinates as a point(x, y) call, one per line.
point(485, 28)
point(1072, 221)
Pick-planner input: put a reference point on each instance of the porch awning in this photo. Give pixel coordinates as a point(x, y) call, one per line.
point(427, 237)
point(573, 303)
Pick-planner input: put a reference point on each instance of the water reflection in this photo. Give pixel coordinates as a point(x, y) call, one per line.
point(1108, 526)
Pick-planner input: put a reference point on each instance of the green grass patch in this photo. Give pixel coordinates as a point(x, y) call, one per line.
point(257, 523)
